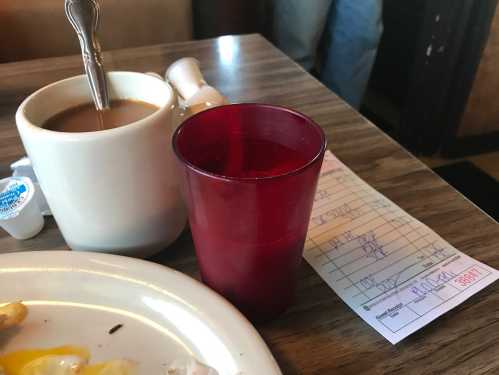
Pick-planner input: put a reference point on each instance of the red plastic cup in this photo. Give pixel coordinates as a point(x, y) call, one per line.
point(249, 174)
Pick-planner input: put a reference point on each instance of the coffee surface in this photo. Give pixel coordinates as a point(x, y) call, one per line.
point(85, 118)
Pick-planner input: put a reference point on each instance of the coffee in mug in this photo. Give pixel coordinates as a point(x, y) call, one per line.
point(86, 118)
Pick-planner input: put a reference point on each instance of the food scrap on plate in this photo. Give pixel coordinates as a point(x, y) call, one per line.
point(74, 360)
point(12, 314)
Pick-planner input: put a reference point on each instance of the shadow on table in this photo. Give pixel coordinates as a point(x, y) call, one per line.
point(179, 255)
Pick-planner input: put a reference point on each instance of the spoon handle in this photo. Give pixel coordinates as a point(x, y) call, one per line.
point(84, 17)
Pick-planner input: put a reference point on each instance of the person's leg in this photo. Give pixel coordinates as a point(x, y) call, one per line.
point(352, 35)
point(298, 26)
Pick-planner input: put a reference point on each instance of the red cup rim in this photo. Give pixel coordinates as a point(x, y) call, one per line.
point(321, 151)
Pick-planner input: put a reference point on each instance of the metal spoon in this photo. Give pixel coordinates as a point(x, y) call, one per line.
point(84, 16)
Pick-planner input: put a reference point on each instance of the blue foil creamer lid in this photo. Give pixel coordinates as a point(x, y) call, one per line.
point(15, 193)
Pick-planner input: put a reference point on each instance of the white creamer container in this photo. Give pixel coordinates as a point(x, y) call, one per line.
point(20, 215)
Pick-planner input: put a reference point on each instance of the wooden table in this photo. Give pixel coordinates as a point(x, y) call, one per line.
point(319, 334)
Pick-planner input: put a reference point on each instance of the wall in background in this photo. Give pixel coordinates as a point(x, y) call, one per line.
point(32, 29)
point(482, 109)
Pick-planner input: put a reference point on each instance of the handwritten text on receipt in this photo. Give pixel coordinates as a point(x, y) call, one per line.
point(391, 269)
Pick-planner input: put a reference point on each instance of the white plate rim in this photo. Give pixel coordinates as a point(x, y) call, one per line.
point(233, 320)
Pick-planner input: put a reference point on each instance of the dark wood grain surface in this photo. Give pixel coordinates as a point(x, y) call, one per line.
point(319, 334)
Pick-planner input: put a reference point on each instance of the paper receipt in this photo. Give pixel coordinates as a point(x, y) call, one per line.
point(391, 269)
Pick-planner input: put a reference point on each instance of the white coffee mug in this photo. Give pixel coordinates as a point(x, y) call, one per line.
point(113, 190)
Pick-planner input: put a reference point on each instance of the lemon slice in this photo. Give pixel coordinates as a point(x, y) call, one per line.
point(54, 365)
point(14, 362)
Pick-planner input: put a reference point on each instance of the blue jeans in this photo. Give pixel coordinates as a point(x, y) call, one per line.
point(351, 30)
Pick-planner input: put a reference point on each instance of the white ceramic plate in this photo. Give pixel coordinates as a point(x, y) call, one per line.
point(76, 297)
